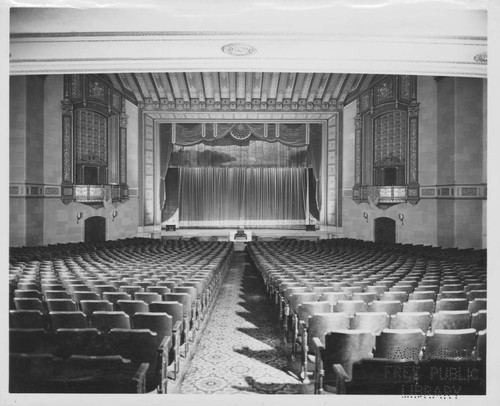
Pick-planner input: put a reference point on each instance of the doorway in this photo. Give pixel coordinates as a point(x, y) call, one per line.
point(95, 229)
point(385, 230)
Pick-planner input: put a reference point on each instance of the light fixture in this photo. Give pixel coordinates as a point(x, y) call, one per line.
point(365, 215)
point(401, 218)
point(114, 214)
point(79, 215)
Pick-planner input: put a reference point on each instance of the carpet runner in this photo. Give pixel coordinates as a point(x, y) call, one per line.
point(242, 350)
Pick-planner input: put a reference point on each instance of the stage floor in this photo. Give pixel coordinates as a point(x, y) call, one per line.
point(259, 234)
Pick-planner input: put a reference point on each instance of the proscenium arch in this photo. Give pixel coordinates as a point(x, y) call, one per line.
point(330, 214)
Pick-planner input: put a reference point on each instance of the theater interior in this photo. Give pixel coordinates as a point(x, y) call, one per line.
point(272, 198)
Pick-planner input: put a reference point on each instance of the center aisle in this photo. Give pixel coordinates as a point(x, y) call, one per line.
point(241, 350)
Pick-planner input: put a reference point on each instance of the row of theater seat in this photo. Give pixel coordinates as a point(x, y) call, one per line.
point(148, 291)
point(420, 303)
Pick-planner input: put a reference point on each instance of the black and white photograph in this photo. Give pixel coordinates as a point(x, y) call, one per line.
point(209, 200)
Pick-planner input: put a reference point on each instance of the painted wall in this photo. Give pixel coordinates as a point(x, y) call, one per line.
point(36, 158)
point(452, 151)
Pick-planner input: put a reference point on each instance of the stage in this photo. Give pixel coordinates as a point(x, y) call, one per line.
point(258, 234)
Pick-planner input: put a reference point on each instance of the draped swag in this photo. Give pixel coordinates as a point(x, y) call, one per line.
point(233, 174)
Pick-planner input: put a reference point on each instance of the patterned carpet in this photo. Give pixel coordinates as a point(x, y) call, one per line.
point(241, 350)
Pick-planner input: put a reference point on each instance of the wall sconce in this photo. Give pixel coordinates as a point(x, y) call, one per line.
point(365, 215)
point(79, 215)
point(401, 218)
point(114, 214)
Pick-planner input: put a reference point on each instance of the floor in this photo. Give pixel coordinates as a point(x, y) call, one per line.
point(242, 349)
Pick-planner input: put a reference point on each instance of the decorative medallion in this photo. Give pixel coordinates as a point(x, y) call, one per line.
point(481, 58)
point(240, 132)
point(236, 49)
point(96, 90)
point(384, 92)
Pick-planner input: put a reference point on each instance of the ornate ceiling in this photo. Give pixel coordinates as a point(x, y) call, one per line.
point(438, 38)
point(239, 90)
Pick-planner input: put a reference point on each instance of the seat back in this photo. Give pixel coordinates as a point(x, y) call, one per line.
point(91, 306)
point(476, 294)
point(79, 341)
point(411, 320)
point(174, 309)
point(322, 323)
point(477, 304)
point(400, 296)
point(308, 309)
point(113, 298)
point(451, 320)
point(78, 296)
point(61, 305)
point(298, 298)
point(106, 320)
point(29, 340)
point(28, 319)
point(138, 345)
point(147, 297)
point(423, 305)
point(31, 293)
point(423, 295)
point(29, 304)
point(333, 297)
point(346, 347)
point(450, 344)
point(375, 322)
point(160, 323)
point(388, 306)
point(182, 298)
point(67, 320)
point(366, 297)
point(161, 290)
point(400, 344)
point(131, 289)
point(350, 307)
point(132, 307)
point(478, 321)
point(56, 294)
point(451, 304)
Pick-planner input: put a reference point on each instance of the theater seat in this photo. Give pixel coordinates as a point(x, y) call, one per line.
point(106, 320)
point(375, 322)
point(411, 320)
point(342, 348)
point(404, 344)
point(451, 319)
point(67, 320)
point(30, 319)
point(450, 344)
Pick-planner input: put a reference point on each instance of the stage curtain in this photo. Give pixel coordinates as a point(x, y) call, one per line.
point(247, 197)
point(228, 152)
point(166, 147)
point(314, 157)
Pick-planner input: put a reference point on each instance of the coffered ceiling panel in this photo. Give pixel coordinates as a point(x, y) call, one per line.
point(240, 90)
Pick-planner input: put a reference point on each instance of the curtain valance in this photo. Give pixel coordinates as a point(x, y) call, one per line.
point(290, 134)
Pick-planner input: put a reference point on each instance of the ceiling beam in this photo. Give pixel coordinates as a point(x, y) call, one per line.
point(257, 85)
point(175, 85)
point(208, 84)
point(299, 83)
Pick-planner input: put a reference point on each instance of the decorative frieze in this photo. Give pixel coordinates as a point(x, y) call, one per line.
point(455, 192)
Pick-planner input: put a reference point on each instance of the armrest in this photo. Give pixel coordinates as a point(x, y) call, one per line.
point(340, 378)
point(177, 326)
point(140, 377)
point(318, 366)
point(317, 344)
point(164, 344)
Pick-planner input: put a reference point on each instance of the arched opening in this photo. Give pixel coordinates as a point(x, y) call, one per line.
point(385, 230)
point(95, 229)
